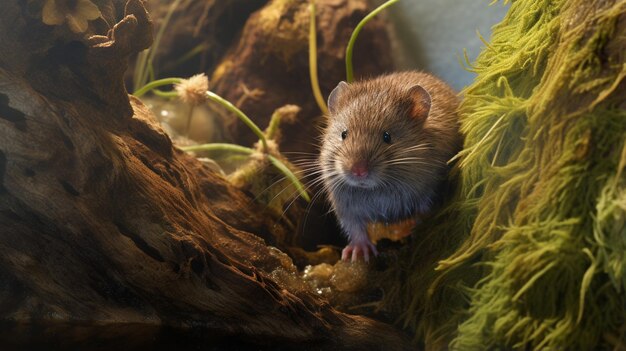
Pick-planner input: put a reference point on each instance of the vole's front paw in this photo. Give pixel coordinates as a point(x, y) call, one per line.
point(354, 249)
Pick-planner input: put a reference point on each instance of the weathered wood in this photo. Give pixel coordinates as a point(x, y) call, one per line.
point(103, 221)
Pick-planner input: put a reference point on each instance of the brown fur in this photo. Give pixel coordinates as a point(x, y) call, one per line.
point(400, 182)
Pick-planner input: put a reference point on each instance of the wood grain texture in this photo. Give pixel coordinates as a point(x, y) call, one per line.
point(103, 221)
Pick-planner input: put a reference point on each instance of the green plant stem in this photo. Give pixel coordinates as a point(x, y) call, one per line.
point(212, 96)
point(272, 128)
point(146, 61)
point(246, 150)
point(289, 174)
point(189, 118)
point(155, 84)
point(315, 85)
point(272, 132)
point(165, 94)
point(255, 129)
point(355, 34)
point(219, 147)
point(140, 66)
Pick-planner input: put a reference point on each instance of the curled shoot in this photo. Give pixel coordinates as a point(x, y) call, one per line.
point(355, 34)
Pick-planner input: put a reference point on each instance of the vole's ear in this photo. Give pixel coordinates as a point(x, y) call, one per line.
point(334, 96)
point(421, 102)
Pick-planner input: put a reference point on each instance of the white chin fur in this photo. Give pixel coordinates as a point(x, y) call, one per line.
point(360, 183)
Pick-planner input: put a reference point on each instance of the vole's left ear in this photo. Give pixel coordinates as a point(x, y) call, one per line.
point(334, 96)
point(421, 102)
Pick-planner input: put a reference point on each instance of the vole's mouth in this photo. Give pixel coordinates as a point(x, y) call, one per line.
point(360, 182)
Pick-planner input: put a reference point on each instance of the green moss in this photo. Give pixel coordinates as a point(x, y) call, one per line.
point(538, 225)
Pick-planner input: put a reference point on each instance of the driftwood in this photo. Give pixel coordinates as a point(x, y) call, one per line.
point(103, 221)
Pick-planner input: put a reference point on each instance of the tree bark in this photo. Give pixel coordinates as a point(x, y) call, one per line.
point(103, 221)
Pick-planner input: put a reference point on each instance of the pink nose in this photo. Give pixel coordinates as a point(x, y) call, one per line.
point(359, 169)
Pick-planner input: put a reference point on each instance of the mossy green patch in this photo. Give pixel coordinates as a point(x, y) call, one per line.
point(532, 251)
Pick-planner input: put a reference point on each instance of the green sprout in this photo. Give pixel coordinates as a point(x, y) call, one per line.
point(143, 67)
point(355, 34)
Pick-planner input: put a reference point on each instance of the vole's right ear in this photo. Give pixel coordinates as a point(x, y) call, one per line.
point(334, 96)
point(421, 102)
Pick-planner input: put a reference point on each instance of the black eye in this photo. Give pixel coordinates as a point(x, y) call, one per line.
point(344, 134)
point(387, 137)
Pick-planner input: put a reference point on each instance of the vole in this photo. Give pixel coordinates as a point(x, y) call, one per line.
point(385, 151)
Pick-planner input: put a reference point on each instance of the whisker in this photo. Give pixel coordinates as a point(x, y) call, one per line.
point(407, 159)
point(308, 209)
point(299, 153)
point(309, 173)
point(290, 203)
point(409, 163)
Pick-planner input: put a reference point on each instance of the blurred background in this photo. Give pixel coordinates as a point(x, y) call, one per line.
point(431, 34)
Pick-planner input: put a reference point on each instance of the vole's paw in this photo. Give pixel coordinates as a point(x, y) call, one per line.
point(354, 249)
